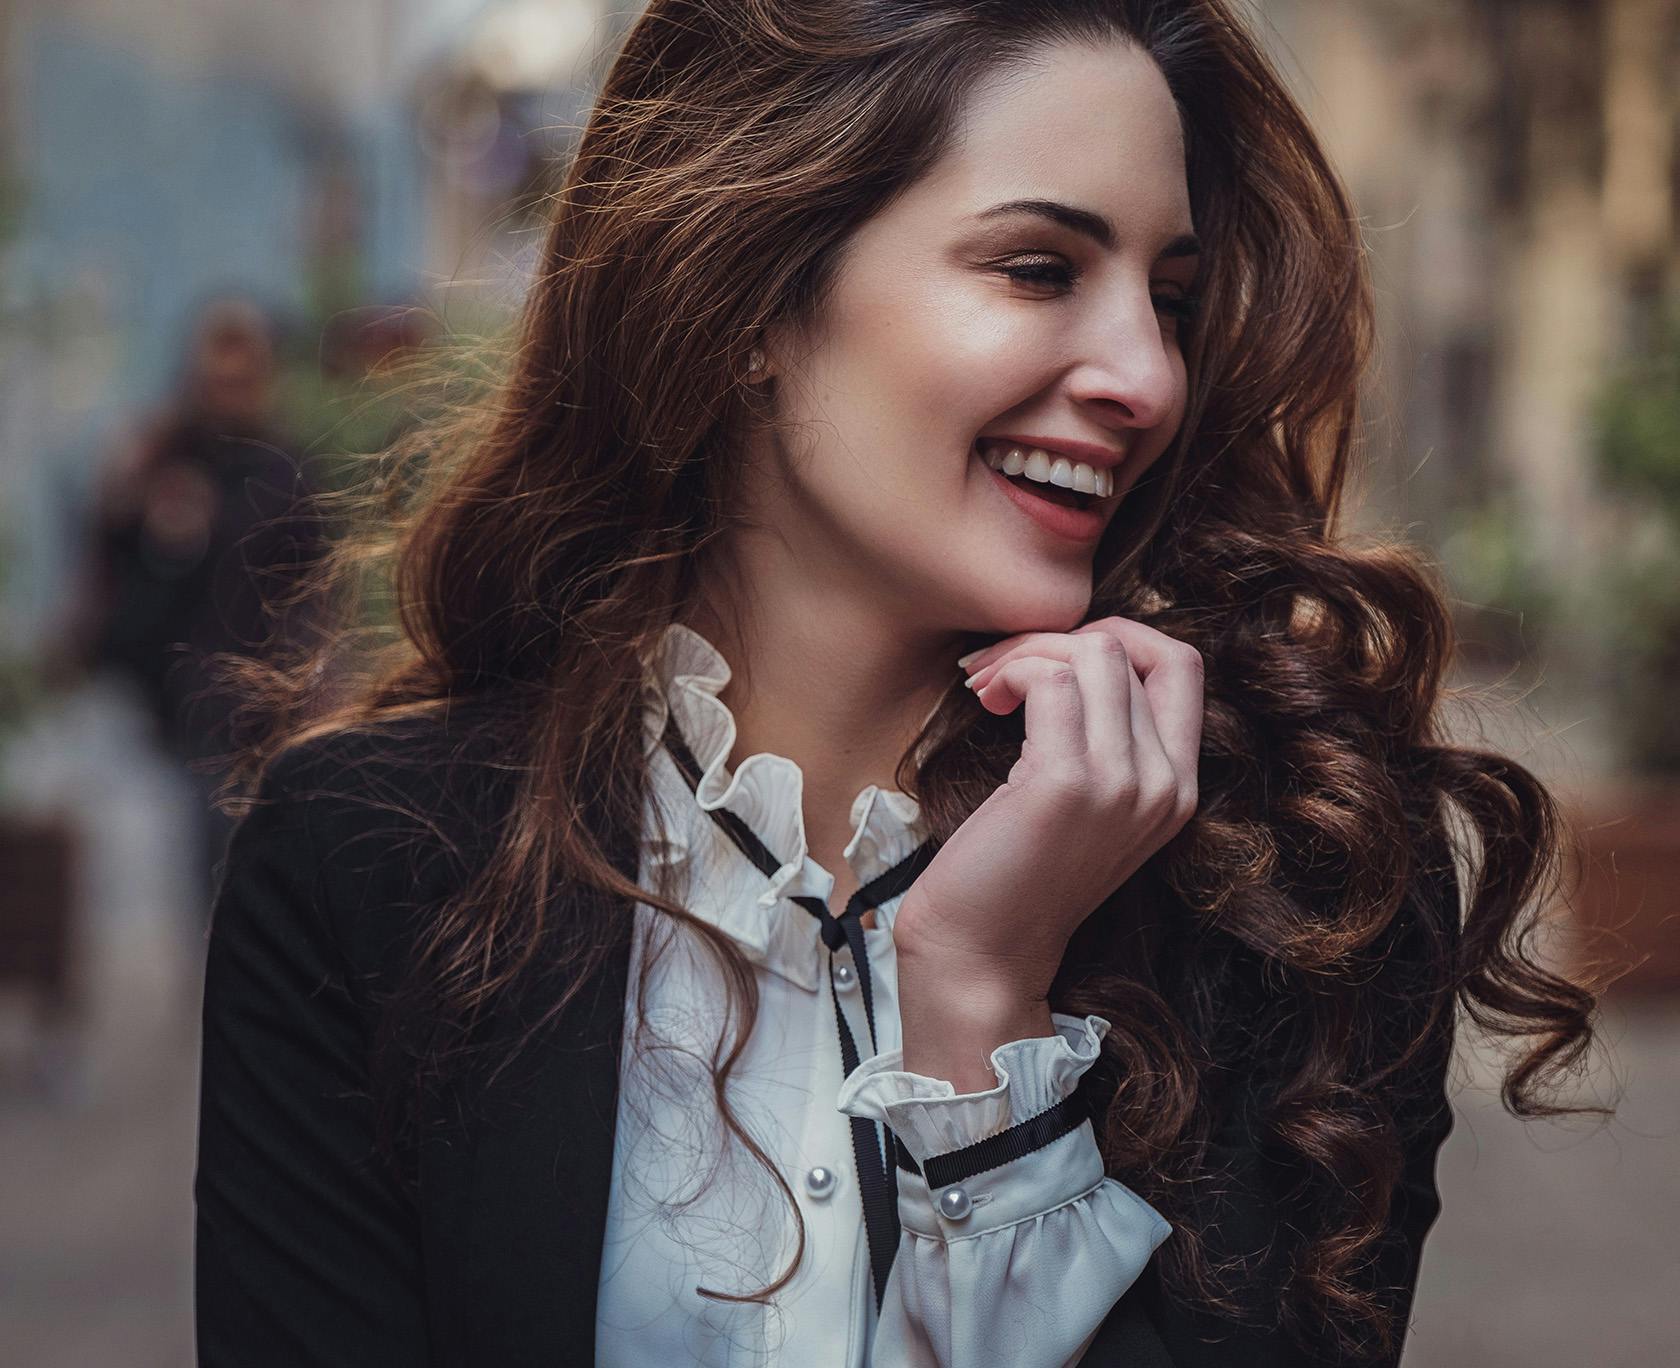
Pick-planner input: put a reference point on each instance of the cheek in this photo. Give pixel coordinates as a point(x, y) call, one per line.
point(938, 360)
point(1181, 402)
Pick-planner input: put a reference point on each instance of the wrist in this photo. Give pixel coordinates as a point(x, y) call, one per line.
point(951, 1022)
point(938, 960)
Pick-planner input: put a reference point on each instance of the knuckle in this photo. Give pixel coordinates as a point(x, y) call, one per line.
point(1012, 670)
point(1122, 786)
point(1087, 649)
point(1154, 788)
point(1161, 796)
point(1072, 781)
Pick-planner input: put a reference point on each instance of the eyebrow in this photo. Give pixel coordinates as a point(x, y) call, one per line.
point(1086, 221)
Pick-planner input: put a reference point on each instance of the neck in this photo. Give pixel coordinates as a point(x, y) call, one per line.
point(833, 680)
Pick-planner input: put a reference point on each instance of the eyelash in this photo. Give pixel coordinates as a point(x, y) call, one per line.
point(1175, 306)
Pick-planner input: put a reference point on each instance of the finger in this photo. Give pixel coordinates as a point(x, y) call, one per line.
point(1052, 645)
point(1124, 748)
point(1059, 645)
point(1112, 695)
point(1055, 720)
point(989, 654)
point(1005, 686)
point(1171, 671)
point(1152, 770)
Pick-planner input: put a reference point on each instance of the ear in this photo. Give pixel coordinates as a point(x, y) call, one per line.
point(766, 359)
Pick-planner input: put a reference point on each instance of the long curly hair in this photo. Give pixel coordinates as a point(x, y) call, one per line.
point(536, 542)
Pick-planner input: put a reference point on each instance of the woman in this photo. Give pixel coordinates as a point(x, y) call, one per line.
point(665, 958)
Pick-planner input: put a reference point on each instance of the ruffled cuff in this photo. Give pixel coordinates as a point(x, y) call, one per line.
point(930, 1117)
point(1064, 1176)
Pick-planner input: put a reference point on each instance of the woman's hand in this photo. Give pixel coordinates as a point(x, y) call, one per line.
point(1107, 775)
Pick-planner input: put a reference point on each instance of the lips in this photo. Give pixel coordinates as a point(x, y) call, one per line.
point(1088, 453)
point(1062, 519)
point(1042, 466)
point(1056, 494)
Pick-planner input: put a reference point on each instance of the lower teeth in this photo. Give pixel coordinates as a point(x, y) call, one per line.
point(1068, 498)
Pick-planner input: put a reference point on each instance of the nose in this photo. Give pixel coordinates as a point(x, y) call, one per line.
point(1132, 370)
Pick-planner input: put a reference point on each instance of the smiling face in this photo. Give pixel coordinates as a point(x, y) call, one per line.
point(953, 320)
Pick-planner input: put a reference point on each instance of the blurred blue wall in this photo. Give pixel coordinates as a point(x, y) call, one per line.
point(148, 186)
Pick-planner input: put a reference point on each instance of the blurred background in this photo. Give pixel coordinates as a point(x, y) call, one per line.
point(221, 224)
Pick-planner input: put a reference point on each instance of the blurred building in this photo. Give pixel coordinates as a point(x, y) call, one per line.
point(321, 155)
point(1516, 164)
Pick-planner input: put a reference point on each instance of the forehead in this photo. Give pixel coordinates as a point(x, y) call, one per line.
point(1089, 124)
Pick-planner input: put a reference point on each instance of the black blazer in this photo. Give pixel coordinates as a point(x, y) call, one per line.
point(309, 1252)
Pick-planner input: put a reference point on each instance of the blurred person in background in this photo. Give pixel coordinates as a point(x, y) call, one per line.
point(202, 530)
point(581, 993)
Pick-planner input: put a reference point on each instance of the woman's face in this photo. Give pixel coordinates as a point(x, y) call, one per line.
point(954, 321)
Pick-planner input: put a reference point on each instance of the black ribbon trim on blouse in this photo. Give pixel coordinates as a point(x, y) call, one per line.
point(872, 1143)
point(1037, 1131)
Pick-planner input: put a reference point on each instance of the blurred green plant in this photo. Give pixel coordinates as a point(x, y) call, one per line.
point(339, 422)
point(365, 421)
point(1638, 455)
point(1639, 426)
point(354, 408)
point(1507, 595)
point(21, 689)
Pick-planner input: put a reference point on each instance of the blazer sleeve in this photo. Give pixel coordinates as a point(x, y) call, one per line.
point(307, 1251)
point(1149, 1329)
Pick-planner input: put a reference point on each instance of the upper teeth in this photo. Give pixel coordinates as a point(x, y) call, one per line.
point(1037, 464)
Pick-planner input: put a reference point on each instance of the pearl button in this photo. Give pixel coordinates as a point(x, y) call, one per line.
point(955, 1204)
point(844, 976)
point(819, 1182)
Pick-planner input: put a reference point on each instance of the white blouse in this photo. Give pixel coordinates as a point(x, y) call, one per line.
point(1024, 1278)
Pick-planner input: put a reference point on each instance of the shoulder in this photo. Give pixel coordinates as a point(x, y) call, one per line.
point(442, 768)
point(376, 822)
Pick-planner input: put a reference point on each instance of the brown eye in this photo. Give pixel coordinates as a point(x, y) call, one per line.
point(1043, 272)
point(1178, 306)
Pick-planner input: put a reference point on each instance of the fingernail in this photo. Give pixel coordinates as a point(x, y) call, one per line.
point(969, 682)
point(962, 661)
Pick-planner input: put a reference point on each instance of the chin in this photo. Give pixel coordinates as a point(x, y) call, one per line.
point(1050, 600)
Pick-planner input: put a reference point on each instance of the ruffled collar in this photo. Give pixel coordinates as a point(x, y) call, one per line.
point(685, 676)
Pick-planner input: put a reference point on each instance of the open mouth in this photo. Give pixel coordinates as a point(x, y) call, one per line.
point(1067, 498)
point(1050, 493)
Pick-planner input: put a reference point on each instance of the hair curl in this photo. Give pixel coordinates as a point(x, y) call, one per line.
point(544, 536)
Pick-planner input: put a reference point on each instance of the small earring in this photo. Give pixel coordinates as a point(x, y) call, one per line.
point(755, 362)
